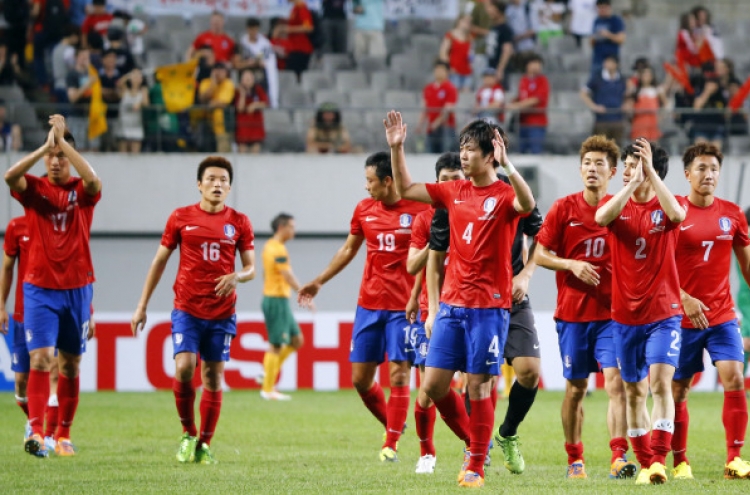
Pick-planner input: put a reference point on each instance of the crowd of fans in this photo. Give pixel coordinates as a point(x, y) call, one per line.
point(77, 43)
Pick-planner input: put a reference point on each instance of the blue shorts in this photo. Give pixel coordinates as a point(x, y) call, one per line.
point(209, 338)
point(377, 332)
point(585, 347)
point(468, 339)
point(723, 343)
point(420, 343)
point(640, 346)
point(57, 317)
point(20, 362)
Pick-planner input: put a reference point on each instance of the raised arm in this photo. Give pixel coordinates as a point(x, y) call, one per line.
point(6, 277)
point(674, 210)
point(14, 176)
point(341, 259)
point(395, 133)
point(524, 201)
point(607, 213)
point(91, 182)
point(152, 280)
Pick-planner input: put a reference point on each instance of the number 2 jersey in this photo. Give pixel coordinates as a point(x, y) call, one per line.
point(386, 285)
point(208, 244)
point(704, 255)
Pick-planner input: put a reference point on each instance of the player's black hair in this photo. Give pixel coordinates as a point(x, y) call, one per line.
point(447, 161)
point(215, 161)
point(443, 64)
point(382, 163)
point(252, 22)
point(659, 157)
point(280, 220)
point(99, 2)
point(68, 136)
point(701, 149)
point(482, 132)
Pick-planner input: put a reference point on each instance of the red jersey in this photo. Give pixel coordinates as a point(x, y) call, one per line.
point(436, 96)
point(97, 22)
point(704, 256)
point(282, 43)
point(537, 87)
point(208, 243)
point(572, 233)
point(59, 225)
point(249, 127)
point(420, 237)
point(222, 45)
point(483, 225)
point(645, 284)
point(460, 55)
point(487, 96)
point(16, 245)
point(387, 229)
point(300, 16)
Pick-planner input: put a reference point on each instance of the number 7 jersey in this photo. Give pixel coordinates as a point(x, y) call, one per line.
point(208, 245)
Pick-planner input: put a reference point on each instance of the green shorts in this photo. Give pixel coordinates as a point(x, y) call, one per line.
point(280, 323)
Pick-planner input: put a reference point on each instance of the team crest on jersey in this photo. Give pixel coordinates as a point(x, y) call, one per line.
point(177, 338)
point(405, 220)
point(72, 196)
point(657, 217)
point(725, 224)
point(489, 205)
point(424, 348)
point(229, 230)
point(351, 346)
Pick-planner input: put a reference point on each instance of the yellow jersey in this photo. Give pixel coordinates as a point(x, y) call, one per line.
point(275, 259)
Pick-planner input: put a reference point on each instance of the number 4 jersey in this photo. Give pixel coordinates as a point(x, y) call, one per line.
point(208, 244)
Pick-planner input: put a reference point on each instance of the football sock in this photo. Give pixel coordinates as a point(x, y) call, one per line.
point(574, 451)
point(23, 403)
point(67, 395)
point(396, 412)
point(679, 439)
point(210, 408)
point(661, 440)
point(37, 393)
point(284, 353)
point(618, 446)
point(51, 416)
point(184, 397)
point(480, 427)
point(271, 367)
point(424, 419)
point(734, 417)
point(640, 440)
point(508, 375)
point(453, 412)
point(374, 400)
point(520, 401)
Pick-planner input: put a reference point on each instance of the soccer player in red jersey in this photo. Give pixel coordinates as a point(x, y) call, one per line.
point(712, 229)
point(209, 234)
point(384, 221)
point(472, 324)
point(643, 220)
point(572, 244)
point(57, 288)
point(447, 168)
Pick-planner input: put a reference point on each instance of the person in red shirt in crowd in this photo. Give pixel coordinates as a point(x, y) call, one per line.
point(250, 100)
point(300, 48)
point(457, 50)
point(57, 289)
point(438, 119)
point(222, 44)
point(209, 234)
point(384, 222)
point(279, 38)
point(531, 103)
point(98, 20)
point(490, 99)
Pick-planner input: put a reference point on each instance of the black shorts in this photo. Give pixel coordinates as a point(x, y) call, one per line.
point(522, 340)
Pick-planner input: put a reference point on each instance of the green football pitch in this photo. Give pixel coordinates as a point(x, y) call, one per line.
point(323, 443)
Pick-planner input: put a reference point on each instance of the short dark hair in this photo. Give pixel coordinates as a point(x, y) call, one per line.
point(215, 161)
point(382, 163)
point(441, 63)
point(252, 22)
point(659, 157)
point(482, 132)
point(603, 2)
point(99, 2)
point(108, 52)
point(68, 137)
point(280, 220)
point(701, 149)
point(500, 5)
point(70, 30)
point(534, 57)
point(447, 161)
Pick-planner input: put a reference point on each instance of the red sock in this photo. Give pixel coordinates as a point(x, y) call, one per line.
point(424, 420)
point(618, 446)
point(67, 397)
point(482, 420)
point(184, 398)
point(493, 397)
point(661, 445)
point(51, 420)
point(37, 393)
point(397, 410)
point(642, 449)
point(680, 436)
point(734, 417)
point(575, 452)
point(453, 412)
point(210, 407)
point(374, 400)
point(23, 403)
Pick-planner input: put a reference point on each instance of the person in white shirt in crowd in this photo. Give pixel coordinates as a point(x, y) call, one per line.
point(582, 16)
point(256, 53)
point(548, 17)
point(490, 99)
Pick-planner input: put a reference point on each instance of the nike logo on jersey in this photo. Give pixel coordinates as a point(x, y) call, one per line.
point(25, 238)
point(739, 442)
point(671, 354)
point(490, 363)
point(624, 218)
point(685, 227)
point(575, 224)
point(370, 219)
point(536, 346)
point(191, 227)
point(457, 202)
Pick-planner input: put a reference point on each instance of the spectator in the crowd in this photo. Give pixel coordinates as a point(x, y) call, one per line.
point(335, 26)
point(217, 92)
point(456, 51)
point(279, 38)
point(328, 134)
point(98, 19)
point(17, 14)
point(78, 11)
point(162, 128)
point(369, 27)
point(118, 43)
point(10, 133)
point(499, 41)
point(604, 94)
point(250, 100)
point(438, 119)
point(737, 120)
point(10, 69)
point(582, 17)
point(206, 62)
point(79, 83)
point(520, 19)
point(644, 102)
point(480, 28)
point(220, 42)
point(63, 60)
point(256, 53)
point(300, 47)
point(531, 104)
point(688, 41)
point(490, 100)
point(608, 36)
point(109, 75)
point(95, 44)
point(135, 29)
point(709, 119)
point(707, 33)
point(133, 93)
point(50, 18)
point(548, 16)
